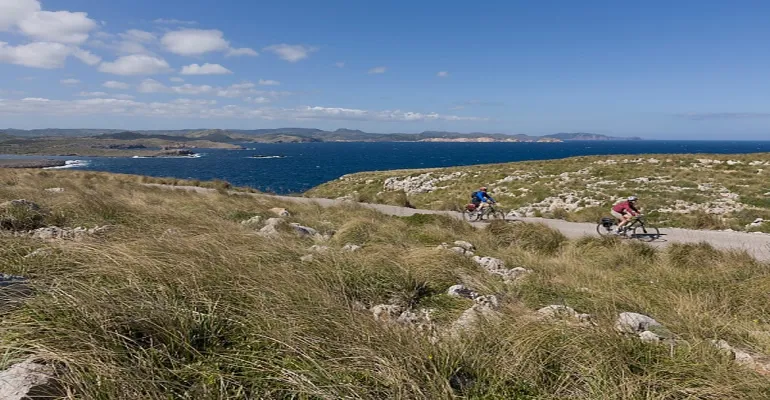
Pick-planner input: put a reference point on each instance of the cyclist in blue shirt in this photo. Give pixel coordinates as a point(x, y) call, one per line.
point(481, 199)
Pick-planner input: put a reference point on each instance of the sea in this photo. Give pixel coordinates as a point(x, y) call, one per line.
point(288, 168)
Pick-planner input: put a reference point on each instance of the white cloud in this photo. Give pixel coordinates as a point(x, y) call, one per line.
point(58, 26)
point(116, 85)
point(122, 96)
point(205, 69)
point(237, 90)
point(378, 70)
point(243, 51)
point(151, 86)
point(194, 42)
point(443, 74)
point(136, 64)
point(193, 89)
point(258, 100)
point(186, 108)
point(268, 82)
point(70, 81)
point(173, 22)
point(136, 35)
point(37, 55)
point(92, 94)
point(87, 57)
point(13, 11)
point(176, 79)
point(340, 64)
point(291, 53)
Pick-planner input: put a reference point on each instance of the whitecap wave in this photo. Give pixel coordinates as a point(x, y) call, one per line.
point(265, 157)
point(72, 164)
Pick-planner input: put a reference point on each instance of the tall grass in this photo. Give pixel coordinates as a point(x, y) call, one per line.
point(182, 301)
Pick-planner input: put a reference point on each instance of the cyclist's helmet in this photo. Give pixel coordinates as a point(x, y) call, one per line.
point(483, 188)
point(632, 198)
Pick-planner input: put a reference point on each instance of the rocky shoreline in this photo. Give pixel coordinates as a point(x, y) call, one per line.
point(18, 163)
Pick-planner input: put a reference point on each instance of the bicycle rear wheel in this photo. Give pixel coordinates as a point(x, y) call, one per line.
point(471, 216)
point(646, 233)
point(606, 229)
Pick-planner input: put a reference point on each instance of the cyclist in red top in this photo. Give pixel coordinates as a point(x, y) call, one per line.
point(624, 211)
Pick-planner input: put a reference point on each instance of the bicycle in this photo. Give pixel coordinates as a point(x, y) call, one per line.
point(637, 226)
point(473, 213)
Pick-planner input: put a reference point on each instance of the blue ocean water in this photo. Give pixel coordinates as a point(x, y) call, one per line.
point(302, 166)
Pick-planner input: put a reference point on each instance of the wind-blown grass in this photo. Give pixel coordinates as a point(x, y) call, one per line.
point(182, 301)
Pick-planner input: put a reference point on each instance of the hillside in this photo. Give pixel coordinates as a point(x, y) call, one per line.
point(300, 135)
point(169, 294)
point(695, 191)
point(118, 144)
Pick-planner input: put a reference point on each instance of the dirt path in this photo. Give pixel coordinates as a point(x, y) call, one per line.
point(755, 244)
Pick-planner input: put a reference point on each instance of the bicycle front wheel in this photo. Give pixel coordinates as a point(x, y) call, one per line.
point(646, 233)
point(495, 215)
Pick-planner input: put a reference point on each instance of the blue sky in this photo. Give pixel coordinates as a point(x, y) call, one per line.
point(690, 70)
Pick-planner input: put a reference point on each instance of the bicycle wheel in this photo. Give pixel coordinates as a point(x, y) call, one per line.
point(606, 230)
point(646, 233)
point(471, 216)
point(495, 215)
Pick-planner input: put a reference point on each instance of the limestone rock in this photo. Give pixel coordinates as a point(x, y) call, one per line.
point(281, 212)
point(483, 310)
point(351, 248)
point(41, 252)
point(489, 263)
point(55, 190)
point(270, 229)
point(461, 291)
point(650, 337)
point(307, 258)
point(253, 221)
point(28, 380)
point(467, 246)
point(635, 323)
point(303, 230)
point(319, 249)
point(740, 356)
point(511, 275)
point(386, 312)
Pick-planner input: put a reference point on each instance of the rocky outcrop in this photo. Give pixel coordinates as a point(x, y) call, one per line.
point(252, 222)
point(55, 190)
point(28, 380)
point(424, 183)
point(351, 248)
point(557, 311)
point(461, 291)
point(270, 229)
point(79, 233)
point(484, 310)
point(741, 357)
point(281, 212)
point(303, 230)
point(645, 328)
point(497, 267)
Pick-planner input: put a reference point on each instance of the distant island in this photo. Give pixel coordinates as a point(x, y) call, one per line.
point(183, 143)
point(297, 135)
